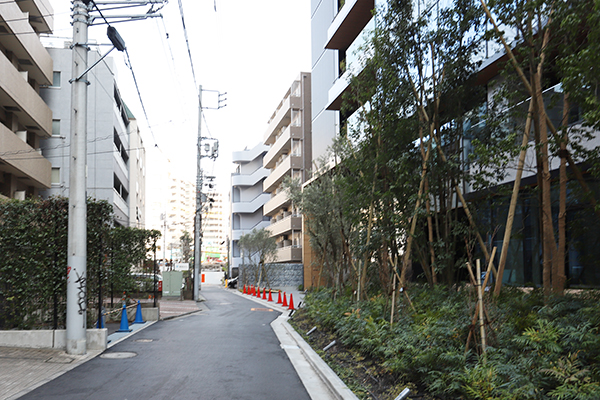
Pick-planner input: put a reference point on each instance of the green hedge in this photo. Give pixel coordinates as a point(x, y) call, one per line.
point(33, 262)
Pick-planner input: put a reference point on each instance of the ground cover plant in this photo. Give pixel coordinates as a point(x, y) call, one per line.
point(537, 347)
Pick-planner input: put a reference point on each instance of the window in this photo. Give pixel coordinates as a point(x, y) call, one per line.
point(56, 79)
point(56, 127)
point(55, 176)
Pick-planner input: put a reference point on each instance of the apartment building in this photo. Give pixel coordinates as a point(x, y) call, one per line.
point(178, 216)
point(290, 154)
point(137, 175)
point(25, 119)
point(110, 138)
point(214, 228)
point(247, 198)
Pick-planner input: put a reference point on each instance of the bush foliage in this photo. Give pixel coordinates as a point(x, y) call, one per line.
point(536, 349)
point(33, 278)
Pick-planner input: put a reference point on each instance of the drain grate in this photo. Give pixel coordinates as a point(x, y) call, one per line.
point(262, 309)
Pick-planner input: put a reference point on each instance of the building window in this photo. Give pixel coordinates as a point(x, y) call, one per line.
point(55, 79)
point(55, 176)
point(56, 127)
point(296, 117)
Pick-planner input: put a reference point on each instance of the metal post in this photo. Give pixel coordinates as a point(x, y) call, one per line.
point(77, 230)
point(198, 216)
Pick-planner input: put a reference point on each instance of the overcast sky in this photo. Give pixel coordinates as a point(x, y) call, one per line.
point(252, 50)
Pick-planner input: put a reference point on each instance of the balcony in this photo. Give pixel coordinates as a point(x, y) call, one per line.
point(22, 160)
point(18, 97)
point(277, 174)
point(282, 145)
point(245, 156)
point(281, 117)
point(23, 41)
point(286, 225)
point(289, 254)
point(247, 207)
point(249, 180)
point(276, 203)
point(236, 234)
point(348, 23)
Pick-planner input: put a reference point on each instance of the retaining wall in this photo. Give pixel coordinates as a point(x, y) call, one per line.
point(280, 275)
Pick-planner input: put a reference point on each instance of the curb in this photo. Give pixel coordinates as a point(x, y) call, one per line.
point(319, 380)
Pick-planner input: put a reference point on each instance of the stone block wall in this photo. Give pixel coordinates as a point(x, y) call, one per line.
point(279, 275)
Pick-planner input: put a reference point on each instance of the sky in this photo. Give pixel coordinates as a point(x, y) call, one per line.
point(252, 50)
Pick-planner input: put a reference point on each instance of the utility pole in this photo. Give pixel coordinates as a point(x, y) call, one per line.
point(77, 228)
point(198, 216)
point(211, 152)
point(76, 323)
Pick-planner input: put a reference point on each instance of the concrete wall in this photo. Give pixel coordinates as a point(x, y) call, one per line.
point(51, 339)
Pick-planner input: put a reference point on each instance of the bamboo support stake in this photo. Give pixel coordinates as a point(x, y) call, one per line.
point(393, 299)
point(480, 302)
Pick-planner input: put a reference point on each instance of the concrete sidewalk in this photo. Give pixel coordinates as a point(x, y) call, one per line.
point(23, 369)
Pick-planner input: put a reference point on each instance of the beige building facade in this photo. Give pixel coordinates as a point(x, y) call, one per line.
point(289, 155)
point(25, 119)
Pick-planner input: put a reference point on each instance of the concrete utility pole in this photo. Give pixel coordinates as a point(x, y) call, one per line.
point(198, 216)
point(77, 229)
point(211, 152)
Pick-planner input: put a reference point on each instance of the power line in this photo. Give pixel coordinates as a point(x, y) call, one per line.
point(187, 42)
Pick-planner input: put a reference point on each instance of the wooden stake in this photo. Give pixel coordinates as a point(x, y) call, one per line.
point(480, 304)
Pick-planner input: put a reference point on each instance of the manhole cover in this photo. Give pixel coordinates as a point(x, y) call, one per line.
point(119, 355)
point(144, 340)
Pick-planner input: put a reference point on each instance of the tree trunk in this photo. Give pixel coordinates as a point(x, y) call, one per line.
point(513, 202)
point(558, 274)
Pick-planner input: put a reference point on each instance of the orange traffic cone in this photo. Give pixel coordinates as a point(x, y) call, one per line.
point(253, 292)
point(258, 293)
point(264, 294)
point(291, 307)
point(244, 291)
point(285, 304)
point(279, 298)
point(270, 297)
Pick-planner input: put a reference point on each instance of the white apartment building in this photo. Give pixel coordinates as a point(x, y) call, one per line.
point(110, 135)
point(214, 229)
point(178, 216)
point(247, 198)
point(25, 119)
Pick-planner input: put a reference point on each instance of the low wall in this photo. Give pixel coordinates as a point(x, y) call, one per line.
point(280, 275)
point(51, 339)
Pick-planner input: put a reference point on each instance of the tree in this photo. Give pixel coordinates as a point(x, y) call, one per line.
point(259, 252)
point(186, 247)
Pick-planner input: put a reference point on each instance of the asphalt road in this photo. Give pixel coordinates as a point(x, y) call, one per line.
point(226, 352)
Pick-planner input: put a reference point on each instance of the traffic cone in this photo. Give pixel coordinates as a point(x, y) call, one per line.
point(258, 293)
point(138, 314)
point(279, 298)
point(253, 291)
point(264, 297)
point(270, 297)
point(291, 307)
point(244, 291)
point(124, 323)
point(285, 304)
